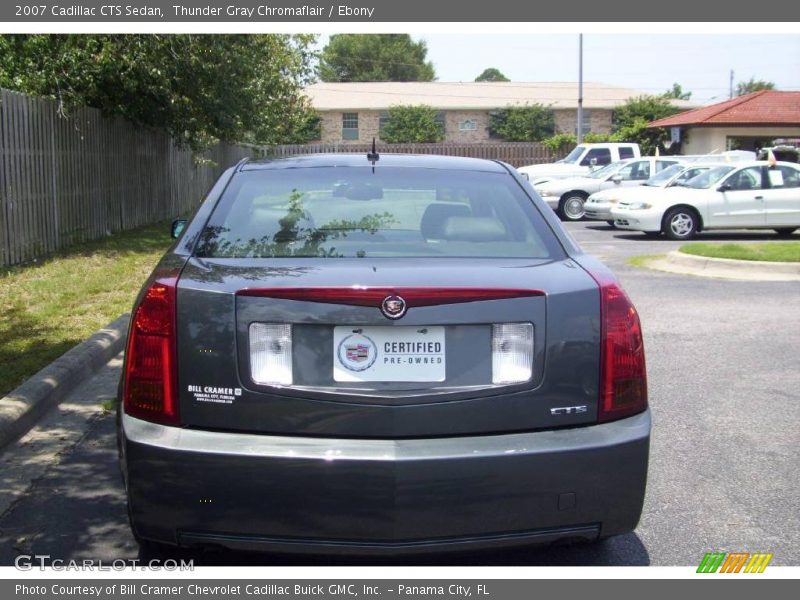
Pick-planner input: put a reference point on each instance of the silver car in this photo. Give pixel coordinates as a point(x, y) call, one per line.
point(598, 206)
point(387, 356)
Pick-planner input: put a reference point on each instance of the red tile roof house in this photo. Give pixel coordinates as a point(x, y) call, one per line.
point(748, 122)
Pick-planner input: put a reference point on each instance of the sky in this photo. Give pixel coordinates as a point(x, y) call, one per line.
point(650, 63)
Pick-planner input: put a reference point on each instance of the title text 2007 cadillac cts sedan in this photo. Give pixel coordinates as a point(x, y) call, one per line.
point(381, 357)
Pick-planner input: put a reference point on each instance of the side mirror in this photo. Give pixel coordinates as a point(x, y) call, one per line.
point(593, 162)
point(725, 187)
point(617, 179)
point(178, 225)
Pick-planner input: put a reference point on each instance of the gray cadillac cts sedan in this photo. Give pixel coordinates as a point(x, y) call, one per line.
point(386, 356)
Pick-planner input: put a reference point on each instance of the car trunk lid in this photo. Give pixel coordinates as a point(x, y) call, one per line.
point(332, 306)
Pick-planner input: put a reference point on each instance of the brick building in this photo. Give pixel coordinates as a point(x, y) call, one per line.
point(354, 112)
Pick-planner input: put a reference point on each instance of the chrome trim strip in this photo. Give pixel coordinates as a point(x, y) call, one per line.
point(331, 449)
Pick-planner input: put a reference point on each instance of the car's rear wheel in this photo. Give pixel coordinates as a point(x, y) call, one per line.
point(571, 207)
point(680, 223)
point(785, 231)
point(611, 222)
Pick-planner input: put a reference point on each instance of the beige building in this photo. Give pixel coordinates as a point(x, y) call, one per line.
point(747, 122)
point(354, 112)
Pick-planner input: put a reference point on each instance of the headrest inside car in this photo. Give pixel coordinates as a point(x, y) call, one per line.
point(435, 216)
point(474, 229)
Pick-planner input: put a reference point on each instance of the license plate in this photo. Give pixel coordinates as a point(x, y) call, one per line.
point(388, 354)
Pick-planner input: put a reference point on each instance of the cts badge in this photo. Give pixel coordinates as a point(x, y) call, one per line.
point(393, 307)
point(568, 410)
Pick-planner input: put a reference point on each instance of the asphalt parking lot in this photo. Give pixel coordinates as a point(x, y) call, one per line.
point(724, 380)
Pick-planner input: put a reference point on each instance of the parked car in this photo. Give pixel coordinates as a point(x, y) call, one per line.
point(749, 195)
point(400, 355)
point(568, 196)
point(598, 206)
point(782, 152)
point(582, 160)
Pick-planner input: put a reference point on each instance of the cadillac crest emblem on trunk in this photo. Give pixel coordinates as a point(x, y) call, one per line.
point(393, 307)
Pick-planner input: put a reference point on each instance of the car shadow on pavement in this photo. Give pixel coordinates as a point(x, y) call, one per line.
point(601, 227)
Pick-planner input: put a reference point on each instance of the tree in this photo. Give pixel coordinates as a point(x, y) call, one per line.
point(412, 124)
point(631, 120)
point(201, 88)
point(529, 123)
point(375, 57)
point(491, 74)
point(677, 93)
point(753, 85)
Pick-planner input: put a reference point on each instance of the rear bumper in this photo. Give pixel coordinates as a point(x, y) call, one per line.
point(384, 497)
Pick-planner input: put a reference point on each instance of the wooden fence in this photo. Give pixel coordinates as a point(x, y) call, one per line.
point(68, 180)
point(517, 154)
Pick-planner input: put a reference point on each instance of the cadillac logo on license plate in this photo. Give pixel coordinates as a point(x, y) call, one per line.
point(357, 352)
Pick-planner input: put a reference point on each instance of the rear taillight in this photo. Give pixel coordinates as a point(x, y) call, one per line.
point(150, 389)
point(512, 352)
point(623, 376)
point(271, 353)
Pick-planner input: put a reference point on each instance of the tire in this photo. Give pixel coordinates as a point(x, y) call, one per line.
point(785, 231)
point(571, 206)
point(680, 223)
point(612, 224)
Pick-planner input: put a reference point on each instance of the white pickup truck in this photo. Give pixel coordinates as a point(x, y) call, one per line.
point(581, 161)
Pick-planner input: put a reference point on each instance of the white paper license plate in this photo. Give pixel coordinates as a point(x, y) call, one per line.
point(388, 354)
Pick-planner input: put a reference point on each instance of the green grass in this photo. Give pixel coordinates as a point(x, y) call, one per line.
point(643, 260)
point(768, 251)
point(109, 405)
point(50, 306)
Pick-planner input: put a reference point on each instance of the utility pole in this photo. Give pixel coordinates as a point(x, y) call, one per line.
point(730, 93)
point(579, 135)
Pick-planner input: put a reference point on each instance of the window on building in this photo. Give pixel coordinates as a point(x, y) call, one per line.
point(468, 125)
point(349, 126)
point(383, 119)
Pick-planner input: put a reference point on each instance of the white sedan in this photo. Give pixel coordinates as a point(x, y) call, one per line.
point(752, 195)
point(567, 196)
point(598, 206)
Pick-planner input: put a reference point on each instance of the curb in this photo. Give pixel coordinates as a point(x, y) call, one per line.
point(22, 408)
point(726, 268)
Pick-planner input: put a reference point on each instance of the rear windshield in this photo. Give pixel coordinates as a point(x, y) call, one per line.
point(351, 212)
